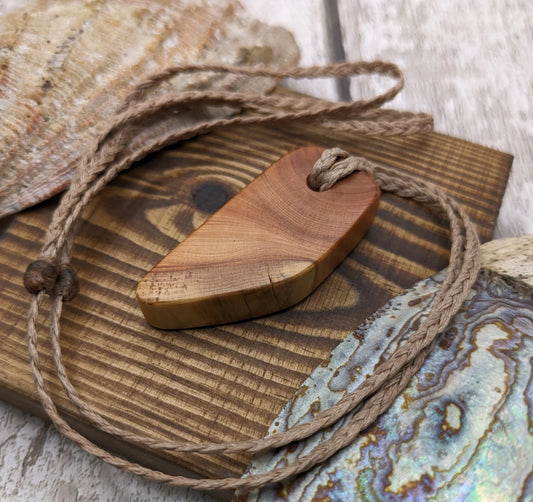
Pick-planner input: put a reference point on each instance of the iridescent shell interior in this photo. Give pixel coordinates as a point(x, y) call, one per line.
point(462, 429)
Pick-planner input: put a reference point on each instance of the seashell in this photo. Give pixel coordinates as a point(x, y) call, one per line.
point(461, 430)
point(66, 67)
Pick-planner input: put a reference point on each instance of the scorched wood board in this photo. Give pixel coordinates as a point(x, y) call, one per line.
point(227, 382)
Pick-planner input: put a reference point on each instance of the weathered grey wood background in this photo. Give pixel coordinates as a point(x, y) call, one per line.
point(467, 63)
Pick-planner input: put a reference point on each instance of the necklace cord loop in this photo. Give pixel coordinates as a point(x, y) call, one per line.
point(104, 159)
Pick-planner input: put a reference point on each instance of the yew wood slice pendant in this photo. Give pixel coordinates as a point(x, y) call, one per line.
point(263, 251)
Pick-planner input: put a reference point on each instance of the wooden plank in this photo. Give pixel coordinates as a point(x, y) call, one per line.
point(473, 87)
point(226, 382)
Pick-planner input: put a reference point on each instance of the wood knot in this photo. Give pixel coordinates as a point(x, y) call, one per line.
point(210, 196)
point(67, 285)
point(40, 274)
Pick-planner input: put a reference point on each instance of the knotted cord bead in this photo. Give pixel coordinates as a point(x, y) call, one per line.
point(57, 280)
point(67, 285)
point(41, 274)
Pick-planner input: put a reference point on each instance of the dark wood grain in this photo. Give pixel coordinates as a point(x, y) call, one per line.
point(226, 382)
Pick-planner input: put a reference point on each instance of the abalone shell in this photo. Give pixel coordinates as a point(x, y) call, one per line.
point(462, 429)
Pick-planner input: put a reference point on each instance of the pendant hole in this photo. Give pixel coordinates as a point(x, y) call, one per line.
point(311, 185)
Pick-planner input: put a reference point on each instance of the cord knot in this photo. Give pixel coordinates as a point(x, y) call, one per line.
point(45, 274)
point(41, 274)
point(67, 285)
point(333, 165)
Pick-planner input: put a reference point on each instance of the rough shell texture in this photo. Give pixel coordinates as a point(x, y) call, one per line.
point(462, 429)
point(66, 66)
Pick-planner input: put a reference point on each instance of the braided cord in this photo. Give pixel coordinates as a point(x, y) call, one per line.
point(103, 161)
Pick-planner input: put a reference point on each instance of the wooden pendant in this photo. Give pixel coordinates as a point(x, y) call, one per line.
point(263, 251)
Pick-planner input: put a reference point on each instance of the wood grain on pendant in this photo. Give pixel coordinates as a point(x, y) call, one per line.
point(264, 251)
